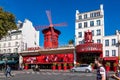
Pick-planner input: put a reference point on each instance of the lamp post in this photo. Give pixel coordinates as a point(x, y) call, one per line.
point(119, 50)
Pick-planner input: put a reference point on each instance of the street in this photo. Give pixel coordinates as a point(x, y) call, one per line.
point(50, 75)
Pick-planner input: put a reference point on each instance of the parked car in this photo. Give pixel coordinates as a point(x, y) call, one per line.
point(82, 68)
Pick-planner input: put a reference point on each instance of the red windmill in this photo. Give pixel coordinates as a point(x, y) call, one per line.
point(50, 33)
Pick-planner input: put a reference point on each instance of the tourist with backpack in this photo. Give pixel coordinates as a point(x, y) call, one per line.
point(101, 72)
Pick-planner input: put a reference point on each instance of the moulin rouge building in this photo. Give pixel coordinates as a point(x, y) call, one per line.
point(107, 47)
point(90, 42)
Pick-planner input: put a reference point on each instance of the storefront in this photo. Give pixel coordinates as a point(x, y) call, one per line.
point(47, 58)
point(11, 59)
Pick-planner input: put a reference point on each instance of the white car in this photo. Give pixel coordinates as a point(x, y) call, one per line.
point(82, 68)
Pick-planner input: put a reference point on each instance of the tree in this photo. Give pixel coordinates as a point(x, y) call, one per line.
point(71, 41)
point(7, 23)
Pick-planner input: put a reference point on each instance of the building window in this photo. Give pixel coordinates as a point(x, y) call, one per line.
point(9, 44)
point(4, 45)
point(107, 53)
point(98, 23)
point(98, 40)
point(4, 51)
point(85, 16)
point(5, 38)
point(15, 49)
point(98, 14)
point(85, 24)
point(113, 52)
point(106, 42)
point(91, 14)
point(98, 32)
point(113, 42)
point(80, 25)
point(16, 37)
point(16, 43)
point(79, 34)
point(95, 15)
point(92, 32)
point(80, 17)
point(10, 37)
point(9, 50)
point(91, 23)
point(80, 42)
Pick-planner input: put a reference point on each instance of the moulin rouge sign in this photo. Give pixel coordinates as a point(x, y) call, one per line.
point(33, 48)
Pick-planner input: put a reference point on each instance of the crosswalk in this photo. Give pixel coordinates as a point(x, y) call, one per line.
point(44, 73)
point(60, 73)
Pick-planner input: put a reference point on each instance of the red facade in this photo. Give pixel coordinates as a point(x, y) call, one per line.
point(49, 58)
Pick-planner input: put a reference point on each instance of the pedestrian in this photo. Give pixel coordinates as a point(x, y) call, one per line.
point(101, 73)
point(8, 71)
point(116, 75)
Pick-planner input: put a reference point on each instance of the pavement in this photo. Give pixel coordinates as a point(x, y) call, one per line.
point(16, 72)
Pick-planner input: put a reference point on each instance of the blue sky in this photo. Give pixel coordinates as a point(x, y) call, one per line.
point(63, 11)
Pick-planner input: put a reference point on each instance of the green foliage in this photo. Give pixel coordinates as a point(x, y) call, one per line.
point(59, 64)
point(92, 64)
point(7, 22)
point(71, 41)
point(70, 64)
point(65, 64)
point(26, 64)
point(107, 64)
point(115, 64)
point(54, 64)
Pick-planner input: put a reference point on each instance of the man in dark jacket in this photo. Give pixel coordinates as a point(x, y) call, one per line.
point(8, 71)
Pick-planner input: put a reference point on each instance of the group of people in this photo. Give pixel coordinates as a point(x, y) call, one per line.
point(102, 74)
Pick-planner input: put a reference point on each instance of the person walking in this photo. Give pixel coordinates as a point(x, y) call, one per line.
point(101, 73)
point(8, 71)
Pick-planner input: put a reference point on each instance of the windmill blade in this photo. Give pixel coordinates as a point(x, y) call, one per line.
point(49, 16)
point(60, 24)
point(41, 27)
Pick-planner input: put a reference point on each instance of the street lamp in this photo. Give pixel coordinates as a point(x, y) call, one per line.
point(119, 50)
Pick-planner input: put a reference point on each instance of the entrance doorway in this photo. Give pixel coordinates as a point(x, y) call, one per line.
point(87, 57)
